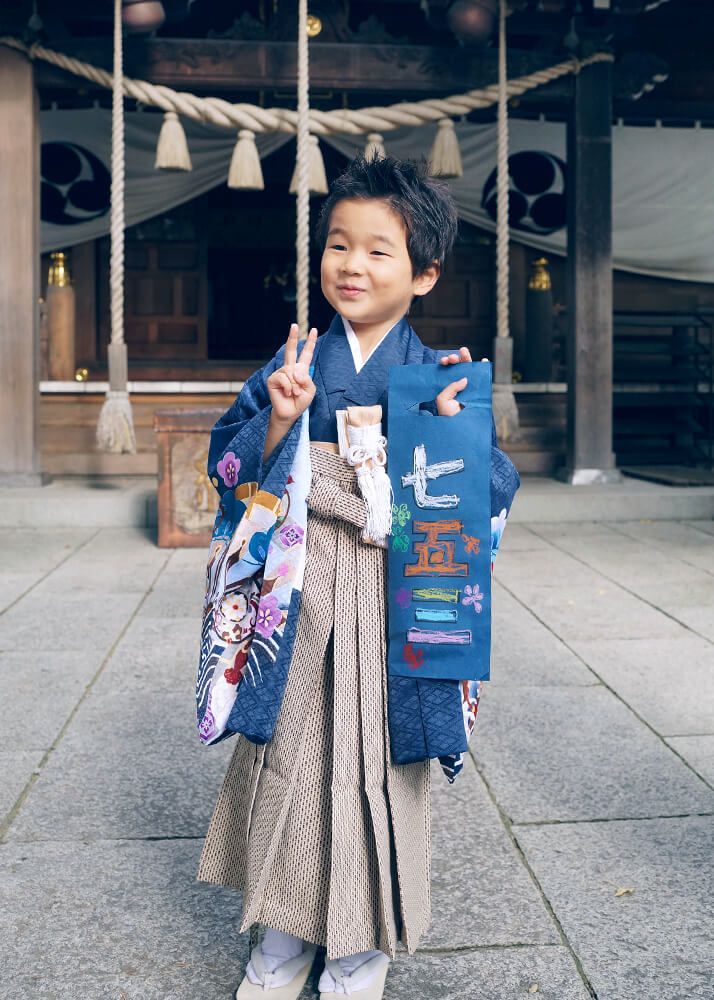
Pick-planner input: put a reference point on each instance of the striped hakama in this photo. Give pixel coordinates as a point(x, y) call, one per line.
point(327, 838)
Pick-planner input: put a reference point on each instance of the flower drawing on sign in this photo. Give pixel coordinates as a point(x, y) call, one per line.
point(400, 515)
point(403, 597)
point(269, 616)
point(474, 596)
point(472, 545)
point(400, 543)
point(291, 534)
point(228, 469)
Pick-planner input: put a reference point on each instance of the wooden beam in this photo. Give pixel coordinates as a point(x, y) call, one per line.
point(399, 72)
point(19, 272)
point(589, 278)
point(225, 65)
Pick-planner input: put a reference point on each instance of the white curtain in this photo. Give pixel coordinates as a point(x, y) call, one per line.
point(148, 191)
point(663, 216)
point(663, 205)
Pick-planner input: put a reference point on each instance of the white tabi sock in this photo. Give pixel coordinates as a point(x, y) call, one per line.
point(331, 980)
point(276, 948)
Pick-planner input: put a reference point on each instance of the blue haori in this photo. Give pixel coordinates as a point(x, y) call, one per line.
point(256, 557)
point(255, 570)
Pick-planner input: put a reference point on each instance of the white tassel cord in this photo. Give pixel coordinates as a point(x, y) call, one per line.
point(115, 429)
point(505, 410)
point(368, 456)
point(172, 149)
point(445, 156)
point(301, 177)
point(375, 147)
point(345, 121)
point(376, 490)
point(317, 178)
point(370, 121)
point(245, 170)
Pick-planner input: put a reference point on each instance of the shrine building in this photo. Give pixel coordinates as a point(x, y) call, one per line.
point(601, 335)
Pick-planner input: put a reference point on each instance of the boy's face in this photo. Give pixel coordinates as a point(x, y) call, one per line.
point(366, 271)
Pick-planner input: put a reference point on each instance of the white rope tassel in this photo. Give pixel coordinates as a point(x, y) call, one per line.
point(368, 455)
point(502, 184)
point(341, 121)
point(302, 174)
point(505, 411)
point(374, 150)
point(445, 156)
point(172, 149)
point(317, 178)
point(245, 169)
point(115, 429)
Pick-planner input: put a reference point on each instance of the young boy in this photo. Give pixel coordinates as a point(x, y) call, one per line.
point(325, 824)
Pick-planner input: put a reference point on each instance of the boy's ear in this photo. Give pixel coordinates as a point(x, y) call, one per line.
point(425, 281)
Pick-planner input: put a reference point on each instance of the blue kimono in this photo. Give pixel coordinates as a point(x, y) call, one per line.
point(425, 716)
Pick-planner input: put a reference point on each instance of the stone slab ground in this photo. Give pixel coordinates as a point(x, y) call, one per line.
point(572, 858)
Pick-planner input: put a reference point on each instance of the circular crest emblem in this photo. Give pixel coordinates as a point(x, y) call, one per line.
point(75, 184)
point(536, 192)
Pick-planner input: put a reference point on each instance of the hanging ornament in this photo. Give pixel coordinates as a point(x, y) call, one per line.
point(318, 177)
point(375, 147)
point(141, 16)
point(445, 156)
point(245, 171)
point(115, 426)
point(314, 25)
point(172, 149)
point(472, 21)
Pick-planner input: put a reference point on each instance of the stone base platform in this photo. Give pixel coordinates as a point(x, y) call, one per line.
point(123, 501)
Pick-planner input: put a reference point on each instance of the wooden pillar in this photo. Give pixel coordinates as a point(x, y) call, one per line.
point(19, 272)
point(589, 337)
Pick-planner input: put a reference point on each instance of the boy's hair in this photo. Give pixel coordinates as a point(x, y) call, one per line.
point(424, 203)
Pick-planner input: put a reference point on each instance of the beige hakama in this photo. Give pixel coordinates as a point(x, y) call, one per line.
point(327, 838)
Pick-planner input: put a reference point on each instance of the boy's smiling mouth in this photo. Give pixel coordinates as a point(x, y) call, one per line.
point(349, 290)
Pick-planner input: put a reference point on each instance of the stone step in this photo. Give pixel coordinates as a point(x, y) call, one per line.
point(124, 501)
point(76, 502)
point(97, 463)
point(536, 462)
point(539, 437)
point(73, 439)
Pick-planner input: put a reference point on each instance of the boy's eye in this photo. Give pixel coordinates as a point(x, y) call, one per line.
point(337, 246)
point(381, 253)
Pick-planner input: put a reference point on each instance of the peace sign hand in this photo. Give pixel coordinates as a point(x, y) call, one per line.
point(291, 388)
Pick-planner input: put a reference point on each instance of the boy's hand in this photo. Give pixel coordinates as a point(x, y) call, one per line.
point(291, 389)
point(446, 403)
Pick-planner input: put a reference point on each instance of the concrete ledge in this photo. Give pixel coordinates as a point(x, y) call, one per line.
point(547, 500)
point(75, 502)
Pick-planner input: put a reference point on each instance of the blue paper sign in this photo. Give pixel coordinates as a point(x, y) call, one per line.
point(440, 547)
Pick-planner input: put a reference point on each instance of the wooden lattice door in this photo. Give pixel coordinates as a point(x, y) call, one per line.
point(164, 300)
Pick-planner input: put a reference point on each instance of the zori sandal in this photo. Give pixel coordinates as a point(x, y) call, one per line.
point(291, 975)
point(365, 983)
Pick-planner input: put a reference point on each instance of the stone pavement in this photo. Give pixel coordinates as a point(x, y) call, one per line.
point(572, 859)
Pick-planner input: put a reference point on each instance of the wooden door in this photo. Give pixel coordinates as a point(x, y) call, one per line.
point(164, 300)
point(460, 309)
